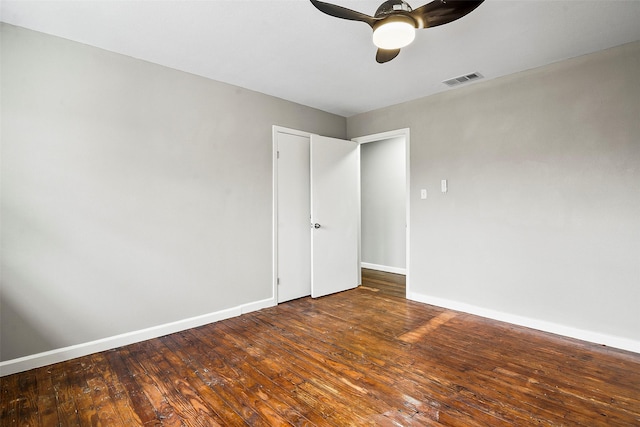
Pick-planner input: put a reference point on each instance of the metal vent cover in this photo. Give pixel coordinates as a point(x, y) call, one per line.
point(463, 79)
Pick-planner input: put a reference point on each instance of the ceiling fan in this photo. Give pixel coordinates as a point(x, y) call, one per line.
point(394, 22)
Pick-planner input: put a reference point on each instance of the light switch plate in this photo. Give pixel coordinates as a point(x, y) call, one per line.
point(423, 193)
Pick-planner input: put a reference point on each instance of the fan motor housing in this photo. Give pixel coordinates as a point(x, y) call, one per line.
point(391, 7)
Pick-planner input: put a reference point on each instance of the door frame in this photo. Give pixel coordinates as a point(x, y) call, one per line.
point(405, 132)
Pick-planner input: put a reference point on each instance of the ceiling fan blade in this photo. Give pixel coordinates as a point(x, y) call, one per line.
point(440, 12)
point(386, 55)
point(343, 12)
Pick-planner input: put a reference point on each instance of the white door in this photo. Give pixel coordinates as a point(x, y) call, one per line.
point(293, 216)
point(335, 212)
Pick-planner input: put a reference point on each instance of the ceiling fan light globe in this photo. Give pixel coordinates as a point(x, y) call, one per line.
point(394, 34)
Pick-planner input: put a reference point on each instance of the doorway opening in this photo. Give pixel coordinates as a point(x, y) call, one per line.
point(384, 238)
point(293, 152)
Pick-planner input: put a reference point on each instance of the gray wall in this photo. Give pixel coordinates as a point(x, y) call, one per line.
point(133, 195)
point(383, 183)
point(542, 217)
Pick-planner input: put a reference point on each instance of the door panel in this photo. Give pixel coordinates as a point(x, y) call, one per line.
point(293, 240)
point(335, 207)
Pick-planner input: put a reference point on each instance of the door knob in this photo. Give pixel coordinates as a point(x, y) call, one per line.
point(316, 225)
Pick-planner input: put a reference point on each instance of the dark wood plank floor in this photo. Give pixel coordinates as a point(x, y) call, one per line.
point(386, 283)
point(362, 357)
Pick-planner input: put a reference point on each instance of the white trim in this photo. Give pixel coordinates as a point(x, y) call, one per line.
point(274, 211)
point(62, 354)
point(406, 133)
point(541, 325)
point(385, 268)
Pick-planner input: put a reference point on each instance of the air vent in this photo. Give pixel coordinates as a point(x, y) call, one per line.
point(463, 79)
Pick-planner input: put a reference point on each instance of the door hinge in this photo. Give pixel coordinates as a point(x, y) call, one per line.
point(278, 280)
point(277, 154)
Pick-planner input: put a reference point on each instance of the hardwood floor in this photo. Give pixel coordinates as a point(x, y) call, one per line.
point(361, 357)
point(386, 283)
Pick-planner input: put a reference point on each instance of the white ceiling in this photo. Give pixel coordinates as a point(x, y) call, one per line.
point(288, 49)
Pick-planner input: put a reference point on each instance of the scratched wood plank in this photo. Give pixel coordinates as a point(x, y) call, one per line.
point(109, 394)
point(10, 394)
point(195, 372)
point(47, 412)
point(358, 369)
point(272, 367)
point(378, 368)
point(232, 406)
point(189, 405)
point(514, 357)
point(355, 369)
point(81, 392)
point(473, 387)
point(97, 393)
point(66, 394)
point(362, 357)
point(239, 372)
point(28, 402)
point(535, 389)
point(124, 382)
point(225, 382)
point(464, 391)
point(152, 385)
point(320, 379)
point(432, 327)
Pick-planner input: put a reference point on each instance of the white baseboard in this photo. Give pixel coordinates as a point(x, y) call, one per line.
point(67, 353)
point(541, 325)
point(385, 268)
